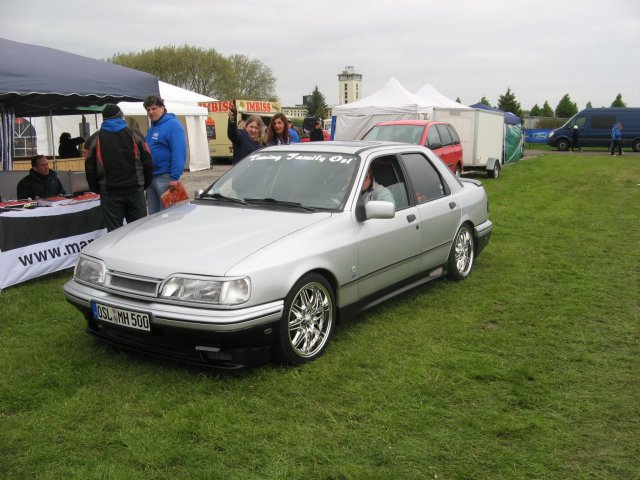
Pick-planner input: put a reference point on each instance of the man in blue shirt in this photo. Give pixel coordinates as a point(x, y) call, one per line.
point(168, 144)
point(616, 139)
point(293, 133)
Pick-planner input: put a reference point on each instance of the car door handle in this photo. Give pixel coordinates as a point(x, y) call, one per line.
point(411, 218)
point(452, 205)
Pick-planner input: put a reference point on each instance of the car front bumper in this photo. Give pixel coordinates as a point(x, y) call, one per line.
point(203, 336)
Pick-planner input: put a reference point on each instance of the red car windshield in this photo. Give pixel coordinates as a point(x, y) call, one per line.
point(396, 133)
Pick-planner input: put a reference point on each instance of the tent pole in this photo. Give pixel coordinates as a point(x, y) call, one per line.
point(51, 140)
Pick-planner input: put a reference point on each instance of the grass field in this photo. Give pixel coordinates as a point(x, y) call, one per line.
point(529, 369)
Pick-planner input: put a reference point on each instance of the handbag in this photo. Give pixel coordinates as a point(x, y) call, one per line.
point(170, 198)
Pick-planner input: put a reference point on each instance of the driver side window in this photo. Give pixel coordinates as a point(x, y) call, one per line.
point(387, 174)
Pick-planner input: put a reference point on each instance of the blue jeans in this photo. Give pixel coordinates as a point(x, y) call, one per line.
point(159, 185)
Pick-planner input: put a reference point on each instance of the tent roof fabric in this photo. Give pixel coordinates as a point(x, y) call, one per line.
point(392, 98)
point(176, 94)
point(37, 80)
point(509, 118)
point(177, 108)
point(433, 97)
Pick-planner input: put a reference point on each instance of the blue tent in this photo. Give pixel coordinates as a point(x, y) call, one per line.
point(37, 81)
point(509, 118)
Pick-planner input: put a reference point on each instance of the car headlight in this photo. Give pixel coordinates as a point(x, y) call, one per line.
point(90, 271)
point(220, 291)
point(550, 135)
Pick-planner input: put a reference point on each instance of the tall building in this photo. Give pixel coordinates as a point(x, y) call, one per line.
point(349, 85)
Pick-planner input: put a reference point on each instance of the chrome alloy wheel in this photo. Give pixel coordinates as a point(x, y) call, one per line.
point(310, 319)
point(463, 252)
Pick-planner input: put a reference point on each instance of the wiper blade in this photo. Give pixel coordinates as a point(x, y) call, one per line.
point(218, 196)
point(273, 201)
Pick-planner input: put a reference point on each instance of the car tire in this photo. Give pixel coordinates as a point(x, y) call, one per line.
point(308, 320)
point(495, 173)
point(636, 145)
point(462, 254)
point(563, 144)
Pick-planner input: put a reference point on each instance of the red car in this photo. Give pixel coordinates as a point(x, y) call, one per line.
point(440, 137)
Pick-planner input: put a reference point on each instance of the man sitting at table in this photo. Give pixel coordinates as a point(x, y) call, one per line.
point(41, 181)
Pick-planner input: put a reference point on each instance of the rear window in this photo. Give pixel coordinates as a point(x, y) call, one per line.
point(426, 181)
point(603, 121)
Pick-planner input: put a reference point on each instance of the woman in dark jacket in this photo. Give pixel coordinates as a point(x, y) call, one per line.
point(247, 139)
point(69, 146)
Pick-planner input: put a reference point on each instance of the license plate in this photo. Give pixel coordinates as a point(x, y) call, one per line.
point(118, 316)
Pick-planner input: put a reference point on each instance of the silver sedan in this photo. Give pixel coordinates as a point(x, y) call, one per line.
point(268, 259)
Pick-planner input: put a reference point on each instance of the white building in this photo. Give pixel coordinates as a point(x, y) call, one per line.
point(297, 111)
point(349, 85)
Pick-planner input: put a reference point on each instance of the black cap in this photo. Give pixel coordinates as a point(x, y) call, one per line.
point(111, 111)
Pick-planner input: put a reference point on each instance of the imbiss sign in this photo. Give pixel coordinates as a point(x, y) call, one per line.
point(247, 106)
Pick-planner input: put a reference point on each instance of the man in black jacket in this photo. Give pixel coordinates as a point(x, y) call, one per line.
point(118, 167)
point(41, 181)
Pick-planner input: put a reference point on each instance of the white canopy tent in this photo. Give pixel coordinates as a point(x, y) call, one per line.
point(391, 102)
point(182, 103)
point(429, 95)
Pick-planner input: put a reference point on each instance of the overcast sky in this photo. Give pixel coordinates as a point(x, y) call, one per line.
point(465, 48)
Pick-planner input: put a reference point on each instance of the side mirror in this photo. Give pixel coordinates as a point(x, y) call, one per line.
point(379, 209)
point(197, 193)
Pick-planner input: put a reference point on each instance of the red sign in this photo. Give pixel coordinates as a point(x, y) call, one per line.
point(247, 106)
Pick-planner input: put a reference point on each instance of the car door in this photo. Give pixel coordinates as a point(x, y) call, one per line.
point(599, 135)
point(447, 152)
point(456, 147)
point(389, 248)
point(439, 212)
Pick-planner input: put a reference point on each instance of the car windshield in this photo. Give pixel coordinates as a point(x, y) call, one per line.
point(396, 133)
point(316, 180)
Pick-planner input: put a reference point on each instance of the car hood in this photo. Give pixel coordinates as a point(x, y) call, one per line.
point(196, 239)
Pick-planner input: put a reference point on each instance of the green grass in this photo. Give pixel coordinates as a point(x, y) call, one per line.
point(544, 146)
point(529, 369)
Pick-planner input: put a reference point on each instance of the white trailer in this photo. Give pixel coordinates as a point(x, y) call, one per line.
point(481, 134)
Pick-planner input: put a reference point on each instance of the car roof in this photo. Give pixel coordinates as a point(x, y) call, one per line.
point(407, 122)
point(356, 147)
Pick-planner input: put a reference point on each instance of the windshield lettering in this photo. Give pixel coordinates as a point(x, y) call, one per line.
point(264, 157)
point(316, 157)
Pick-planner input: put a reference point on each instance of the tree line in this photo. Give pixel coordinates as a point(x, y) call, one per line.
point(566, 108)
point(205, 71)
point(210, 73)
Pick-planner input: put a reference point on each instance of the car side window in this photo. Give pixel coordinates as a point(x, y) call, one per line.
point(425, 179)
point(433, 138)
point(454, 135)
point(604, 122)
point(445, 136)
point(388, 174)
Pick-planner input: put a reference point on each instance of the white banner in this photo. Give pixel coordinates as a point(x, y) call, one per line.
point(22, 264)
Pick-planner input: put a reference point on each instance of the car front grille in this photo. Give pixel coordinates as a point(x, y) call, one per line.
point(132, 284)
